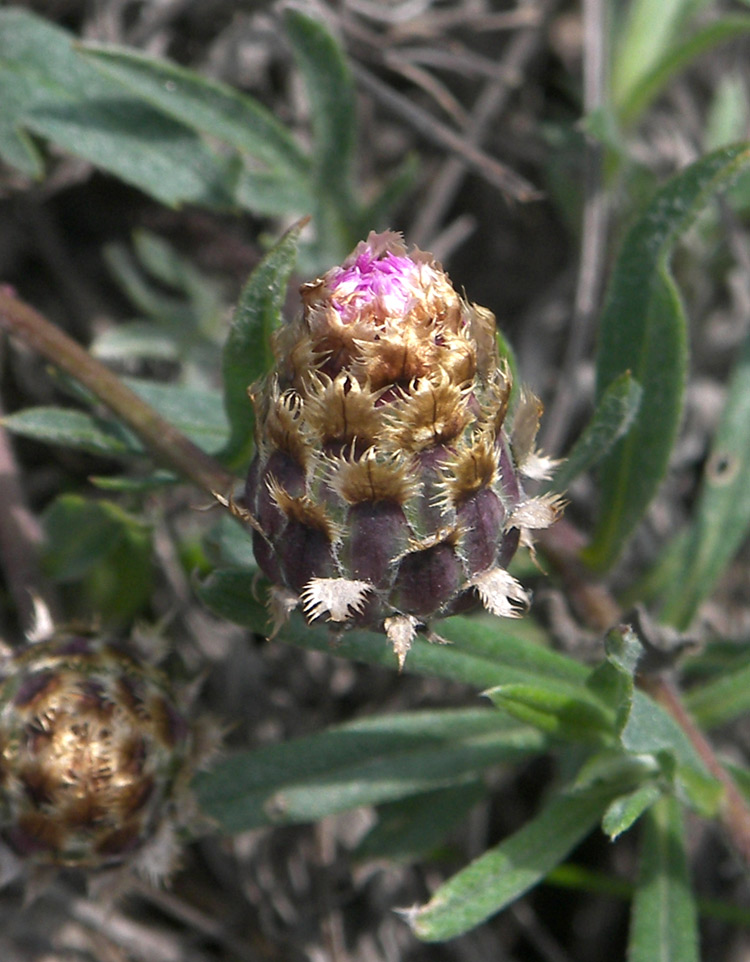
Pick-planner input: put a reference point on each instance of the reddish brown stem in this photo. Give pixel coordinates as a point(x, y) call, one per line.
point(167, 445)
point(562, 545)
point(735, 813)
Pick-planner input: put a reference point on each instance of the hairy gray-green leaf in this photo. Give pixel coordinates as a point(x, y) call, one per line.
point(556, 707)
point(649, 84)
point(205, 105)
point(614, 414)
point(643, 331)
point(627, 809)
point(247, 351)
point(503, 874)
point(47, 88)
point(362, 763)
point(414, 827)
point(196, 413)
point(721, 519)
point(663, 926)
point(479, 654)
point(331, 93)
point(74, 429)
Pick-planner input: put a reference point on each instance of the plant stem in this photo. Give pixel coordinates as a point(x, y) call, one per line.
point(20, 540)
point(562, 544)
point(163, 440)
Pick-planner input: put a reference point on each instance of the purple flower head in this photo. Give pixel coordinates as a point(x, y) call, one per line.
point(385, 284)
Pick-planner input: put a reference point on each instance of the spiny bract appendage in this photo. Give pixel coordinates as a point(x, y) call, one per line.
point(386, 488)
point(96, 753)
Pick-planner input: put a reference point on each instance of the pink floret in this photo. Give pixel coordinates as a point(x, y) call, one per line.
point(388, 282)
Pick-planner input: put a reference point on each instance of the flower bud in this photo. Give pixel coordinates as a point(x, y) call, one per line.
point(386, 490)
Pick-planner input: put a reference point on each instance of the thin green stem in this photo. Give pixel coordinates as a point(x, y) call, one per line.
point(167, 445)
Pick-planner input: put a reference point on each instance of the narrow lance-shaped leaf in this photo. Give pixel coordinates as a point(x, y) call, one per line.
point(643, 40)
point(362, 763)
point(74, 429)
point(722, 517)
point(663, 924)
point(567, 711)
point(503, 874)
point(612, 419)
point(247, 352)
point(330, 89)
point(627, 809)
point(277, 179)
point(46, 87)
point(643, 330)
point(205, 105)
point(645, 728)
point(413, 827)
point(480, 655)
point(722, 699)
point(677, 57)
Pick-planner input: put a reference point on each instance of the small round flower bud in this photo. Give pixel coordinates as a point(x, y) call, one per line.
point(95, 755)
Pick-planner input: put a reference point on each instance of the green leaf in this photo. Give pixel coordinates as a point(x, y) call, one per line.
point(366, 762)
point(643, 41)
point(231, 593)
point(104, 551)
point(480, 653)
point(198, 414)
point(247, 352)
point(721, 700)
point(503, 874)
point(330, 89)
point(721, 519)
point(204, 105)
point(612, 419)
point(415, 827)
point(643, 331)
point(74, 429)
point(281, 186)
point(560, 709)
point(81, 532)
point(646, 731)
point(47, 88)
point(144, 484)
point(138, 339)
point(650, 730)
point(627, 809)
point(230, 545)
point(613, 681)
point(677, 57)
point(139, 146)
point(663, 925)
point(193, 303)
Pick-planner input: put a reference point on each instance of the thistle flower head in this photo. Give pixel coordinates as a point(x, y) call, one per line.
point(96, 751)
point(386, 489)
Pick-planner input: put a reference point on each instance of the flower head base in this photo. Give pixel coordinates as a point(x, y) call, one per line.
point(96, 752)
point(386, 489)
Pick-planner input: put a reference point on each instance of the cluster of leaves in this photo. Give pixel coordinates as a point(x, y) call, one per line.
point(182, 139)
